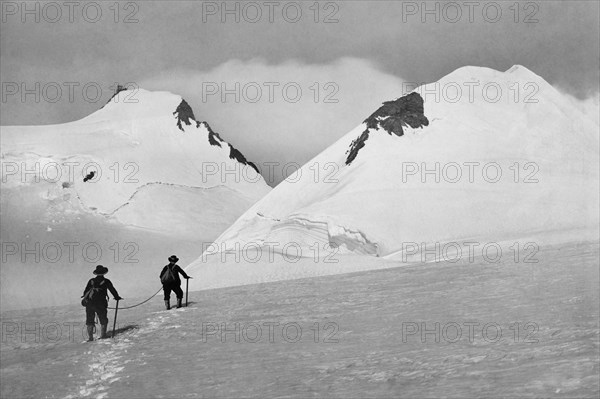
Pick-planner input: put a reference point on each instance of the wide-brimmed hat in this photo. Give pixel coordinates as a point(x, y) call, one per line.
point(173, 258)
point(101, 270)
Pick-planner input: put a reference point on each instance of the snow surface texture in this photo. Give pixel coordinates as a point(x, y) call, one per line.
point(514, 159)
point(541, 338)
point(141, 174)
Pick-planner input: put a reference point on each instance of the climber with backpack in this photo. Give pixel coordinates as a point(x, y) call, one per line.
point(169, 277)
point(95, 300)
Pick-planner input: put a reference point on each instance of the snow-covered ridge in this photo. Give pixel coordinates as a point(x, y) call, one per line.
point(185, 115)
point(489, 166)
point(138, 137)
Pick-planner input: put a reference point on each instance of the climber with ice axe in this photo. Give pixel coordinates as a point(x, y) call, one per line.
point(95, 300)
point(169, 277)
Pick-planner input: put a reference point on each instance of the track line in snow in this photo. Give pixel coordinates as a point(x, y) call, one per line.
point(106, 357)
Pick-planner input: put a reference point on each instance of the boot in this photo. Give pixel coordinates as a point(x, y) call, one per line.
point(178, 302)
point(90, 331)
point(103, 331)
point(168, 304)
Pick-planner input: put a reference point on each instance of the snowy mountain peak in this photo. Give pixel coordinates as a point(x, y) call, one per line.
point(139, 104)
point(155, 132)
point(516, 73)
point(436, 185)
point(392, 116)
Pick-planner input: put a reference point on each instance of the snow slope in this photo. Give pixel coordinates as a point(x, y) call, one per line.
point(460, 331)
point(489, 157)
point(138, 138)
point(163, 183)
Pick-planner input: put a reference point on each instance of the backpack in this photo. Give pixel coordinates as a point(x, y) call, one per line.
point(168, 276)
point(94, 295)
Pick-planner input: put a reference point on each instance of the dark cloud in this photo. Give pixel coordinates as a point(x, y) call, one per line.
point(561, 43)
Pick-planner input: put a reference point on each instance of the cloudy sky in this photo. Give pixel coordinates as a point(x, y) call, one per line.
point(345, 57)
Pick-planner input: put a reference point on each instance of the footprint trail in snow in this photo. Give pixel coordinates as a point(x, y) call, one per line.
point(107, 356)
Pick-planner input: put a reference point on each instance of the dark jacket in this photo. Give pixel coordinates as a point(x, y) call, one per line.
point(176, 270)
point(105, 285)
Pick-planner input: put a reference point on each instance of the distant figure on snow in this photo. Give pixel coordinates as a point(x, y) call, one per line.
point(169, 277)
point(95, 300)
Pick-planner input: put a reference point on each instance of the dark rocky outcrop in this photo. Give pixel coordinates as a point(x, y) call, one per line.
point(392, 116)
point(185, 114)
point(238, 156)
point(215, 139)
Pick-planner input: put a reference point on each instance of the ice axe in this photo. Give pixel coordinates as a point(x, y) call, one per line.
point(187, 283)
point(115, 322)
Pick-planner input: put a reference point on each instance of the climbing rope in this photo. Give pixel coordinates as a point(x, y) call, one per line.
point(141, 303)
